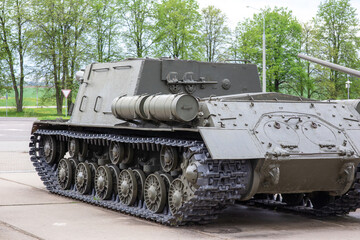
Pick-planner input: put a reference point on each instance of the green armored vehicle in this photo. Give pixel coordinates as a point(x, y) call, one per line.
point(177, 141)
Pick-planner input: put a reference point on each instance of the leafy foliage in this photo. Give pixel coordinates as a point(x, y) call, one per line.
point(283, 34)
point(58, 27)
point(215, 33)
point(178, 29)
point(137, 17)
point(337, 41)
point(14, 42)
point(104, 30)
point(49, 40)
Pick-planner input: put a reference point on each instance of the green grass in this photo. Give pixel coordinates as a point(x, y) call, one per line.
point(39, 113)
point(44, 97)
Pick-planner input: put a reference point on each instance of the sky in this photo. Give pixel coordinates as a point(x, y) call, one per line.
point(236, 10)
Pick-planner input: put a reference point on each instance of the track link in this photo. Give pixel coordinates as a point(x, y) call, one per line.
point(221, 182)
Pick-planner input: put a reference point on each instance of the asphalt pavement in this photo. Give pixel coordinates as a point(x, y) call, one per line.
point(28, 211)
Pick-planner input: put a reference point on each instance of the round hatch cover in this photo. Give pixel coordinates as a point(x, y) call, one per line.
point(281, 133)
point(318, 133)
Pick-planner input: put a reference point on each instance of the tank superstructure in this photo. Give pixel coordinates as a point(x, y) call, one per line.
point(103, 82)
point(175, 141)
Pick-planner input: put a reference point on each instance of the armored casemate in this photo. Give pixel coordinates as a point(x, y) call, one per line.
point(175, 141)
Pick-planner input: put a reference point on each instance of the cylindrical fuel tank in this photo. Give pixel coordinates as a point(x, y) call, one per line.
point(128, 107)
point(170, 107)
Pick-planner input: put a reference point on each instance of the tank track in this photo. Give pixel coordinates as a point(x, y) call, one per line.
point(222, 182)
point(341, 205)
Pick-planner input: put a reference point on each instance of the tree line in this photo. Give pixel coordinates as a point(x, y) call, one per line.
point(50, 40)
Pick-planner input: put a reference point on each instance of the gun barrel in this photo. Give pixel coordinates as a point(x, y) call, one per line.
point(334, 66)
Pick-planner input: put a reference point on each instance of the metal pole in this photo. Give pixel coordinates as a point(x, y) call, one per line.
point(37, 96)
point(347, 85)
point(264, 57)
point(6, 97)
point(66, 107)
point(264, 51)
point(334, 66)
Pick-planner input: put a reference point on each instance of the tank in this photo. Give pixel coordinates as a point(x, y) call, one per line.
point(177, 141)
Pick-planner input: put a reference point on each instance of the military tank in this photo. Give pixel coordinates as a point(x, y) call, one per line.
point(177, 141)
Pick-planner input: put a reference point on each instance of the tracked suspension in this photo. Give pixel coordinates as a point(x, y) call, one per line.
point(219, 183)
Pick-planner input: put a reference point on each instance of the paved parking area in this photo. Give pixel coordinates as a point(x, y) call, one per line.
point(28, 211)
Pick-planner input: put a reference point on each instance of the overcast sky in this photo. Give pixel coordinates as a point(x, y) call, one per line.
point(236, 10)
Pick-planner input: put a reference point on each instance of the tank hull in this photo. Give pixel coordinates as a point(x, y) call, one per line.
point(219, 193)
point(262, 163)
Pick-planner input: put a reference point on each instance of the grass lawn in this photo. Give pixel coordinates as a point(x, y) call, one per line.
point(39, 113)
point(30, 96)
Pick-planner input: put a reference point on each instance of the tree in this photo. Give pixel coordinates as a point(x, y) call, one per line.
point(74, 50)
point(47, 43)
point(233, 52)
point(305, 84)
point(138, 18)
point(105, 22)
point(311, 83)
point(336, 34)
point(215, 33)
point(177, 27)
point(4, 80)
point(283, 33)
point(14, 15)
point(59, 26)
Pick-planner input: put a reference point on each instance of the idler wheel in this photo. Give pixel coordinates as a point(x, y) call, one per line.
point(103, 182)
point(140, 179)
point(177, 195)
point(168, 158)
point(50, 149)
point(83, 178)
point(64, 173)
point(127, 187)
point(116, 152)
point(73, 147)
point(155, 193)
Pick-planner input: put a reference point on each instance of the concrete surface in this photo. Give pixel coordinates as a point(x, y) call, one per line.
point(14, 144)
point(28, 211)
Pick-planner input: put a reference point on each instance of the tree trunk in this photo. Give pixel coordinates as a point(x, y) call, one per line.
point(10, 62)
point(277, 85)
point(57, 85)
point(21, 59)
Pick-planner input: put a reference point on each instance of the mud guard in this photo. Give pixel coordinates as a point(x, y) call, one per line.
point(220, 143)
